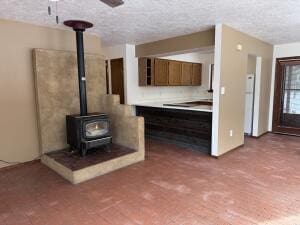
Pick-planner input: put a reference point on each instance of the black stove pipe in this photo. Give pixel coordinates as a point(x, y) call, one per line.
point(79, 27)
point(81, 72)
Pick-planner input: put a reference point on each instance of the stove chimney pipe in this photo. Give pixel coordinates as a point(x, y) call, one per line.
point(79, 27)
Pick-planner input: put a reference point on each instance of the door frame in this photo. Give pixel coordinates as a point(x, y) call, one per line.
point(277, 102)
point(107, 75)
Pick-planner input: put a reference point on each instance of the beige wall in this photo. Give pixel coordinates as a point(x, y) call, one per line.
point(232, 76)
point(18, 117)
point(197, 40)
point(57, 92)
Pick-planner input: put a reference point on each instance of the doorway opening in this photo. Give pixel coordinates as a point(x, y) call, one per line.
point(250, 87)
point(249, 104)
point(117, 78)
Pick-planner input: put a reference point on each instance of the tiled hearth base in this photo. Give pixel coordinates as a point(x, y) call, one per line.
point(98, 162)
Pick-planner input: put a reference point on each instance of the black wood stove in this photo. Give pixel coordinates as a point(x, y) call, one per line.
point(87, 130)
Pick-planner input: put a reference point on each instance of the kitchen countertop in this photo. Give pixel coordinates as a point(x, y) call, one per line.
point(160, 104)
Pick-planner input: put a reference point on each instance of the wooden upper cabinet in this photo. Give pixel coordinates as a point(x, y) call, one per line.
point(175, 70)
point(146, 71)
point(197, 74)
point(186, 75)
point(161, 70)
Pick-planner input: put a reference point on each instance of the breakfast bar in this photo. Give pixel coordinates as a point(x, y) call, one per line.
point(186, 123)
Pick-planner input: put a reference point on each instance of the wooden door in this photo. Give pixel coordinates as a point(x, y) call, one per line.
point(186, 76)
point(175, 72)
point(286, 109)
point(117, 78)
point(196, 74)
point(161, 72)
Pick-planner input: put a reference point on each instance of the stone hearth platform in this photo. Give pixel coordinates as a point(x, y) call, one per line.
point(77, 169)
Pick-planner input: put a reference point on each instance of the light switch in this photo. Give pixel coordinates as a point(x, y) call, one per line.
point(222, 90)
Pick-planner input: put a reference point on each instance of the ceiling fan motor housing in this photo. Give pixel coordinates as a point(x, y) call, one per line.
point(113, 3)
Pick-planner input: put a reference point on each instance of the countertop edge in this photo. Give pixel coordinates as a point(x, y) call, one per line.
point(173, 107)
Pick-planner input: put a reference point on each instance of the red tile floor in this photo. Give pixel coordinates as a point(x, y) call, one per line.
point(256, 184)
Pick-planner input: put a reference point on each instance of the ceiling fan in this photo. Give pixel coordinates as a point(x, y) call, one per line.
point(111, 3)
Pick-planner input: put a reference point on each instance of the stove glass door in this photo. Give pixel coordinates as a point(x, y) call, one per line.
point(96, 129)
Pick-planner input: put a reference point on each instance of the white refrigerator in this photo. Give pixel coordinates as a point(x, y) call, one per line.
point(249, 103)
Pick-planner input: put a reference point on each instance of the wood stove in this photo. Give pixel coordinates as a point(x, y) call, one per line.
point(85, 131)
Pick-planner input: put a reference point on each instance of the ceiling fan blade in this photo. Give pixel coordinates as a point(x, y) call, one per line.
point(113, 3)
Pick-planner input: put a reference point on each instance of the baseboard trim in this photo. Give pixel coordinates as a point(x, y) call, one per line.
point(230, 151)
point(259, 136)
point(9, 167)
point(281, 133)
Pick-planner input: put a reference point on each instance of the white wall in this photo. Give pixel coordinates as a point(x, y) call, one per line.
point(256, 105)
point(284, 50)
point(136, 94)
point(216, 93)
point(132, 78)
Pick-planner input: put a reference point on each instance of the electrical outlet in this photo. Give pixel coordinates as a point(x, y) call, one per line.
point(231, 133)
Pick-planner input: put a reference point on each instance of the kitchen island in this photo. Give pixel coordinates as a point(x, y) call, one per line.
point(187, 123)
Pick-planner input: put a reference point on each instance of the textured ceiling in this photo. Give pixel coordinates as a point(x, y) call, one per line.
point(140, 21)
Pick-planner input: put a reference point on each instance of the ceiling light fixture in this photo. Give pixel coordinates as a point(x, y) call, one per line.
point(56, 9)
point(111, 3)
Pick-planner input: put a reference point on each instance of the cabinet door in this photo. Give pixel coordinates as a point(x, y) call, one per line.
point(161, 72)
point(186, 76)
point(142, 71)
point(196, 74)
point(146, 71)
point(175, 72)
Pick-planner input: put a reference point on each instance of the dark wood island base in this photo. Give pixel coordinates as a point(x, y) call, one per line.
point(183, 127)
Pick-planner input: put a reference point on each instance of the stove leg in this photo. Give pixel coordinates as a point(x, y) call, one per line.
point(72, 151)
point(83, 152)
point(107, 148)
